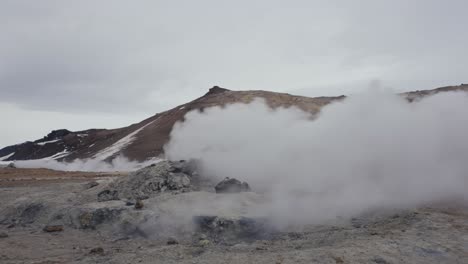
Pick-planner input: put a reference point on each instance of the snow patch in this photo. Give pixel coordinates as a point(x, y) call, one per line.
point(7, 156)
point(119, 145)
point(47, 142)
point(58, 155)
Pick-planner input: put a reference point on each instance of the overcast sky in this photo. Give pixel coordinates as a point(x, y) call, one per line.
point(85, 64)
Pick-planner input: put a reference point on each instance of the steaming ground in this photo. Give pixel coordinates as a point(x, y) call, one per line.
point(373, 150)
point(94, 232)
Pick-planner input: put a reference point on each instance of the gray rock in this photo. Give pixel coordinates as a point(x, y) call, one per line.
point(172, 241)
point(139, 204)
point(231, 185)
point(97, 251)
point(178, 181)
point(53, 228)
point(154, 179)
point(24, 214)
point(3, 235)
point(108, 195)
point(91, 219)
point(11, 165)
point(233, 229)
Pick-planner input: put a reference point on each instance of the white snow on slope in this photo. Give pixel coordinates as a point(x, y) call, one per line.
point(46, 142)
point(57, 155)
point(7, 156)
point(95, 163)
point(119, 145)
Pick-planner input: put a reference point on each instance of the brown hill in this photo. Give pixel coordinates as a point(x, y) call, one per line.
point(146, 139)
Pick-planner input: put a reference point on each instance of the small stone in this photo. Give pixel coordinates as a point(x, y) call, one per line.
point(204, 242)
point(139, 204)
point(3, 235)
point(85, 219)
point(97, 251)
point(172, 241)
point(129, 203)
point(338, 260)
point(380, 260)
point(53, 228)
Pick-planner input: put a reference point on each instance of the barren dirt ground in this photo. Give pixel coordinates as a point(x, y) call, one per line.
point(436, 234)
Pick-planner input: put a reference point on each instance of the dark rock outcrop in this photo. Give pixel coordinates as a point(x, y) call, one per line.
point(231, 185)
point(231, 229)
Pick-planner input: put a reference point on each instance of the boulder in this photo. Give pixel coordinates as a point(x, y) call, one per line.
point(53, 228)
point(232, 185)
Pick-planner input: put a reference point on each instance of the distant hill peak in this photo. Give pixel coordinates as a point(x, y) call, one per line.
point(216, 90)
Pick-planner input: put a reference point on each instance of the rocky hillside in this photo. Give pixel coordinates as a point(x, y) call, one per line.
point(146, 139)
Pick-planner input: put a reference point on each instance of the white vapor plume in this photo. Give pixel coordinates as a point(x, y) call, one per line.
point(370, 151)
point(120, 163)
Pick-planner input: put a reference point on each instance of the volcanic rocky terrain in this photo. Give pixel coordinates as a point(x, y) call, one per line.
point(170, 212)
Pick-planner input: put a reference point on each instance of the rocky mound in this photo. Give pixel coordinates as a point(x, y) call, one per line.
point(164, 176)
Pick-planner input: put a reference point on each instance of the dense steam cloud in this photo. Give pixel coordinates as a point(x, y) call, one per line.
point(373, 150)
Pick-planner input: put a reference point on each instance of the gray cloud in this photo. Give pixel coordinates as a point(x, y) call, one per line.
point(127, 57)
